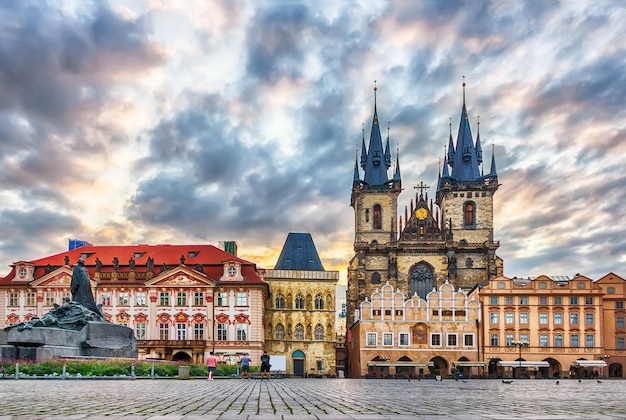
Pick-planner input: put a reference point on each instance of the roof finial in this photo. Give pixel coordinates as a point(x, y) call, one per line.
point(450, 126)
point(463, 90)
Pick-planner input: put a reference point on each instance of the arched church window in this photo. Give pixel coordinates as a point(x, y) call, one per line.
point(378, 216)
point(376, 278)
point(299, 301)
point(421, 280)
point(280, 332)
point(469, 214)
point(319, 301)
point(280, 301)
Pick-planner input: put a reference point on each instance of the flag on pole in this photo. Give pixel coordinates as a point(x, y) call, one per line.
point(77, 243)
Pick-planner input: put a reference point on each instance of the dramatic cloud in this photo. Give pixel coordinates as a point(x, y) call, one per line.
point(129, 122)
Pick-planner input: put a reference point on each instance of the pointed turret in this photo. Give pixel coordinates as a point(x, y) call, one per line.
point(396, 175)
point(363, 151)
point(492, 172)
point(387, 150)
point(375, 167)
point(479, 149)
point(465, 163)
point(450, 146)
point(356, 177)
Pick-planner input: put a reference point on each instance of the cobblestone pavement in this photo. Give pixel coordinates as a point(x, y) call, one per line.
point(167, 399)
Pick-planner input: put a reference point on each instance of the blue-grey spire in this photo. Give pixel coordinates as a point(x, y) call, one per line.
point(465, 162)
point(396, 175)
point(492, 172)
point(356, 178)
point(479, 149)
point(450, 146)
point(387, 150)
point(375, 166)
point(363, 151)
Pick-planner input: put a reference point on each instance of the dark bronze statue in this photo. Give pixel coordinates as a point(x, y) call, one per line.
point(81, 287)
point(70, 316)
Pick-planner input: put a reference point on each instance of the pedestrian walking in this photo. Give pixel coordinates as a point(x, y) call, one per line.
point(211, 363)
point(245, 366)
point(265, 365)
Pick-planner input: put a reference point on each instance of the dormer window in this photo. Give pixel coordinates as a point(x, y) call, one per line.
point(22, 272)
point(232, 271)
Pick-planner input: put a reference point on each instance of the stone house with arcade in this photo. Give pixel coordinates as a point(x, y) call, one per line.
point(300, 310)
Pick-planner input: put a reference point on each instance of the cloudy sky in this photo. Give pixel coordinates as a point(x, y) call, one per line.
point(128, 122)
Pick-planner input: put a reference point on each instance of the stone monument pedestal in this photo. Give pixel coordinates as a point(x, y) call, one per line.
point(95, 339)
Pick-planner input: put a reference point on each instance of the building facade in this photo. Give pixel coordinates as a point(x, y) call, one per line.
point(396, 336)
point(614, 329)
point(182, 301)
point(448, 240)
point(548, 327)
point(300, 311)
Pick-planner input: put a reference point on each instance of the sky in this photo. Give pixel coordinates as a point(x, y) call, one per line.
point(180, 122)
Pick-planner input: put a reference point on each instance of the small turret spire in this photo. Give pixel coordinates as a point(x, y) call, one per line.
point(396, 176)
point(493, 161)
point(387, 149)
point(479, 149)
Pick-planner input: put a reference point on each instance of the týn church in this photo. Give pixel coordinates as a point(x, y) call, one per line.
point(448, 239)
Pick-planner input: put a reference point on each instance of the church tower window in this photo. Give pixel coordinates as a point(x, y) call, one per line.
point(378, 216)
point(420, 280)
point(376, 278)
point(469, 214)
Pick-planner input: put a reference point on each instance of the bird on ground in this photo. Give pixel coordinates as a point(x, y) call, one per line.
point(507, 382)
point(579, 381)
point(464, 381)
point(599, 381)
point(557, 382)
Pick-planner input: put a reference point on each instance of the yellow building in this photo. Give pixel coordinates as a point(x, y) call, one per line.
point(300, 311)
point(397, 336)
point(542, 327)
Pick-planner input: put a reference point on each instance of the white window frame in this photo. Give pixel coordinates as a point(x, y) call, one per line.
point(465, 337)
point(140, 330)
point(181, 331)
point(456, 339)
point(141, 299)
point(371, 339)
point(242, 299)
point(241, 331)
point(123, 299)
point(387, 339)
point(198, 331)
point(404, 339)
point(432, 336)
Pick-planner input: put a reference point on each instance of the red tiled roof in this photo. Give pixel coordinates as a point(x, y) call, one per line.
point(210, 257)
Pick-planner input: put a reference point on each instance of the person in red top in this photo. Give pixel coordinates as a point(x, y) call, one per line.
point(211, 363)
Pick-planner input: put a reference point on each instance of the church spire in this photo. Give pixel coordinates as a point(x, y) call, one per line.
point(396, 176)
point(479, 149)
point(492, 172)
point(363, 151)
point(451, 146)
point(356, 178)
point(376, 164)
point(387, 149)
point(465, 160)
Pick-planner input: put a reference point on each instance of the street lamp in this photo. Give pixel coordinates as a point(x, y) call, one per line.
point(604, 357)
point(519, 344)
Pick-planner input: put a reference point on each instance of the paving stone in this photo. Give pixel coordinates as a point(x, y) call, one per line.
point(319, 399)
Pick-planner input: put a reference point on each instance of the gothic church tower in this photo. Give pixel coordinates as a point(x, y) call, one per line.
point(450, 239)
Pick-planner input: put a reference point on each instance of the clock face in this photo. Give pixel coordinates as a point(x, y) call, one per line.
point(421, 213)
